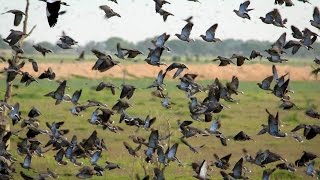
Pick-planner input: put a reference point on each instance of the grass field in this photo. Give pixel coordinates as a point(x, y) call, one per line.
point(248, 115)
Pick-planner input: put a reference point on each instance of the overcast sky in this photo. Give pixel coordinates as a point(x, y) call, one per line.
point(84, 21)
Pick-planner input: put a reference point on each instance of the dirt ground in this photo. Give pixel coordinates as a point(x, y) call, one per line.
point(253, 72)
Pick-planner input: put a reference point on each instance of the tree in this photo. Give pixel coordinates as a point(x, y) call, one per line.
point(15, 59)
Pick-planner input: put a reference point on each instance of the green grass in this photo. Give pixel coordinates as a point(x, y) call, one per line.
point(248, 115)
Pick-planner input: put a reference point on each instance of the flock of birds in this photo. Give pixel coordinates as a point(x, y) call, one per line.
point(153, 146)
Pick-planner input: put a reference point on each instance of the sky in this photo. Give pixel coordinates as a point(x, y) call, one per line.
point(85, 22)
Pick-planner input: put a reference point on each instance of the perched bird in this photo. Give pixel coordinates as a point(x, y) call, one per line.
point(18, 15)
point(243, 10)
point(315, 22)
point(108, 11)
point(185, 32)
point(41, 49)
point(210, 34)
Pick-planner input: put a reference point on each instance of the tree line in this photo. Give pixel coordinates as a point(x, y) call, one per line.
point(198, 48)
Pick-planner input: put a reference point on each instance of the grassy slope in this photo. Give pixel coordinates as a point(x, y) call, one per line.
point(248, 115)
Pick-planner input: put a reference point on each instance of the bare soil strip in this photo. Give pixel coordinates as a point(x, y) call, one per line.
point(254, 72)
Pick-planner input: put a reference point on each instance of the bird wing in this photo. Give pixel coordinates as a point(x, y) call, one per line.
point(210, 33)
point(243, 6)
point(186, 30)
point(316, 15)
point(203, 170)
point(296, 32)
point(275, 73)
point(237, 169)
point(17, 19)
point(267, 81)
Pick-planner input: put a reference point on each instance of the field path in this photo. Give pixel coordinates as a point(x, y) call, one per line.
point(253, 72)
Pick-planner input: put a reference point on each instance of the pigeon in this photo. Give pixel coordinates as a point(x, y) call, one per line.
point(266, 83)
point(315, 22)
point(210, 34)
point(115, 1)
point(58, 94)
point(154, 56)
point(289, 167)
point(224, 61)
point(108, 11)
point(310, 131)
point(222, 163)
point(179, 66)
point(165, 14)
point(243, 10)
point(254, 54)
point(48, 74)
point(14, 37)
point(305, 158)
point(288, 3)
point(127, 91)
point(18, 15)
point(185, 32)
point(240, 59)
point(242, 136)
point(273, 126)
point(53, 8)
point(103, 85)
point(132, 151)
point(237, 170)
point(267, 173)
point(312, 113)
point(161, 40)
point(296, 33)
point(104, 63)
point(202, 172)
point(41, 49)
point(81, 56)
